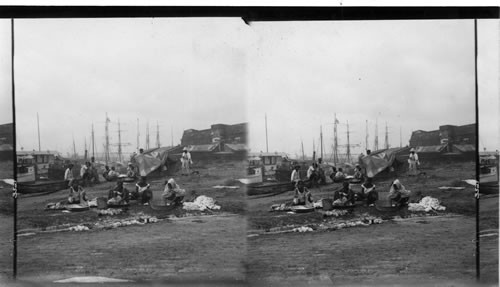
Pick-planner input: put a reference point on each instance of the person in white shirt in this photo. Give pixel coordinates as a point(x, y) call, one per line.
point(68, 175)
point(413, 162)
point(186, 162)
point(295, 177)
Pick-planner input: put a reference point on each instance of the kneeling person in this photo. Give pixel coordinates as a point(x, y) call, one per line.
point(369, 192)
point(344, 196)
point(173, 194)
point(76, 194)
point(143, 191)
point(398, 194)
point(118, 195)
point(302, 195)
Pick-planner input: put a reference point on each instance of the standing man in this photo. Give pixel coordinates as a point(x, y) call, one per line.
point(84, 173)
point(68, 175)
point(295, 177)
point(322, 169)
point(94, 176)
point(312, 175)
point(186, 161)
point(413, 162)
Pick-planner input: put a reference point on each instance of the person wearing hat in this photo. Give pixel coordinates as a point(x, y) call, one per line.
point(302, 195)
point(412, 162)
point(186, 161)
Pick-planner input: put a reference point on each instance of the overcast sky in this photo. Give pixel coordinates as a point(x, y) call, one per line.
point(411, 74)
point(183, 73)
point(5, 72)
point(191, 73)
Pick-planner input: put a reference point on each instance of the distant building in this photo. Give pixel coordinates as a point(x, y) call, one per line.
point(218, 133)
point(221, 141)
point(453, 141)
point(447, 134)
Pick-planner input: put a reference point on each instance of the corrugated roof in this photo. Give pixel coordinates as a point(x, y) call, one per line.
point(202, 147)
point(259, 154)
point(430, 148)
point(236, 147)
point(465, 147)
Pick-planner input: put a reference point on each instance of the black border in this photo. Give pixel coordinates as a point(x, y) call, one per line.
point(258, 13)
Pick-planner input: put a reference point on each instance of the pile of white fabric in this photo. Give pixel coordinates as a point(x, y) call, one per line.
point(109, 211)
point(201, 203)
point(426, 204)
point(335, 213)
point(79, 228)
point(302, 229)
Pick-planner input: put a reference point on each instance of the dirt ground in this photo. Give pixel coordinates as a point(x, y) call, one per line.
point(183, 246)
point(435, 249)
point(6, 221)
point(489, 238)
point(32, 211)
point(204, 248)
point(427, 251)
point(232, 247)
point(455, 201)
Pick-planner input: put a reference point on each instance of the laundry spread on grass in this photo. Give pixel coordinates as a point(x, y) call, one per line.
point(426, 204)
point(201, 203)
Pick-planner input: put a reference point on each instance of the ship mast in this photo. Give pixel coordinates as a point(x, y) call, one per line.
point(267, 145)
point(138, 133)
point(321, 139)
point(93, 142)
point(302, 145)
point(335, 142)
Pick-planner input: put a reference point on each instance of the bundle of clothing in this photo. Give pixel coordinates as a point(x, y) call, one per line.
point(426, 204)
point(201, 203)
